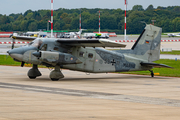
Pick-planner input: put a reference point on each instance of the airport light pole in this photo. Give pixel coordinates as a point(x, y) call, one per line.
point(125, 21)
point(99, 21)
point(51, 18)
point(80, 20)
point(153, 21)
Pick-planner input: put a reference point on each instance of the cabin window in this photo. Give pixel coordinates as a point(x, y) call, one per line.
point(90, 55)
point(56, 48)
point(81, 54)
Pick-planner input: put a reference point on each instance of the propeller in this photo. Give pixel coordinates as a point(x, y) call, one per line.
point(37, 54)
point(12, 47)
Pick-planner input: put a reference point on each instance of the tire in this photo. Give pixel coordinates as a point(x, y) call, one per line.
point(32, 77)
point(54, 79)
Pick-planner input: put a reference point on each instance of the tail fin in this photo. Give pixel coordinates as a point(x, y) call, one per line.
point(147, 46)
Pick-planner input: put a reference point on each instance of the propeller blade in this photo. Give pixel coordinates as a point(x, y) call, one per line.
point(13, 40)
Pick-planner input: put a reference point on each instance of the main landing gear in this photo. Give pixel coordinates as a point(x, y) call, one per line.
point(56, 74)
point(152, 73)
point(34, 72)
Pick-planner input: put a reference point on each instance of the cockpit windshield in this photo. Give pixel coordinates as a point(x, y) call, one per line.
point(36, 43)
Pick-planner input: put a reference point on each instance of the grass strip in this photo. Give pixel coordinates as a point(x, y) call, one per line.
point(7, 60)
point(174, 52)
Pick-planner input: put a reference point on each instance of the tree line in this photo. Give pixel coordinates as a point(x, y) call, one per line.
point(112, 20)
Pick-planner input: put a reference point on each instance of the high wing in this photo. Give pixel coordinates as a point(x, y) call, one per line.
point(155, 65)
point(90, 43)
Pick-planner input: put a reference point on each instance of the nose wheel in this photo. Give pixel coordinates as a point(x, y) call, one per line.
point(152, 73)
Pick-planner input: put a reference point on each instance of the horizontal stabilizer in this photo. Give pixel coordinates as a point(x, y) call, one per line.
point(155, 65)
point(90, 43)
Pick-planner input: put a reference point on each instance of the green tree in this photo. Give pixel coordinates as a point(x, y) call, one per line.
point(177, 9)
point(75, 23)
point(59, 13)
point(108, 22)
point(93, 23)
point(57, 26)
point(36, 16)
point(85, 15)
point(43, 24)
point(66, 27)
point(28, 11)
point(64, 15)
point(33, 26)
point(4, 19)
point(16, 25)
point(67, 20)
point(111, 19)
point(150, 7)
point(20, 17)
point(29, 15)
point(137, 8)
point(23, 25)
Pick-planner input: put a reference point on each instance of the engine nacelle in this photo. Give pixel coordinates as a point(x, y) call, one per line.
point(56, 58)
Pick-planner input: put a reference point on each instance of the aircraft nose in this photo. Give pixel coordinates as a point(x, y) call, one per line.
point(16, 53)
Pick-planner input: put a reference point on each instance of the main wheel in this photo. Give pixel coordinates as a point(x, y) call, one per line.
point(54, 79)
point(32, 77)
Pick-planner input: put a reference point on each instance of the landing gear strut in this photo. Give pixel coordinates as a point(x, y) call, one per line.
point(152, 73)
point(56, 74)
point(34, 72)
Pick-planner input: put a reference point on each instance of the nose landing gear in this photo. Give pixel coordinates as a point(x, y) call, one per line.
point(56, 74)
point(152, 73)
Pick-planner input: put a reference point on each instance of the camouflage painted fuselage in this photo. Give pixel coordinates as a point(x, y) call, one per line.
point(85, 56)
point(97, 60)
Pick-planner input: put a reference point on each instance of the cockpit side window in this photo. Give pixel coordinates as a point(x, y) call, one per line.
point(36, 43)
point(44, 47)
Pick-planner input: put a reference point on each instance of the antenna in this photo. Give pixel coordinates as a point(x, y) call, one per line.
point(51, 18)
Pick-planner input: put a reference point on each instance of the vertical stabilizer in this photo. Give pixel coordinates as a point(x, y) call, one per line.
point(147, 46)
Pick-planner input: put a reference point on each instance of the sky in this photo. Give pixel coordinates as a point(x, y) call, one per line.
point(20, 6)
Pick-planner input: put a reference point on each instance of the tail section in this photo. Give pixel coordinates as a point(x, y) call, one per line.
point(147, 47)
